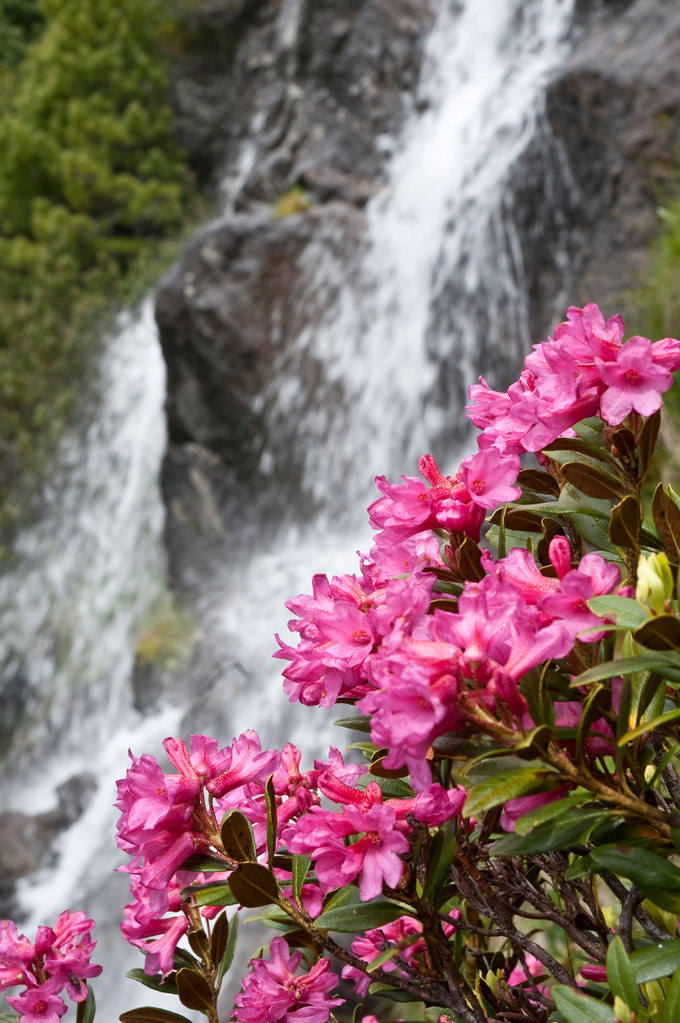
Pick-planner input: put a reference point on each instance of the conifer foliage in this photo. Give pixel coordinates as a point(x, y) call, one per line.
point(89, 174)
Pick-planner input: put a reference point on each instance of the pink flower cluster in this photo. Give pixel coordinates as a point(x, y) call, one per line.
point(58, 960)
point(272, 993)
point(404, 935)
point(378, 826)
point(165, 818)
point(585, 370)
point(375, 641)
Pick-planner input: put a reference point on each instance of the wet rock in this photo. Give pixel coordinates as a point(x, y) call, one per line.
point(614, 114)
point(310, 91)
point(28, 839)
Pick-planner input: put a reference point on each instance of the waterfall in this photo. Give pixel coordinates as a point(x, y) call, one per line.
point(436, 295)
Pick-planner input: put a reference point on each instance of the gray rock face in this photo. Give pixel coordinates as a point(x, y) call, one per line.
point(294, 95)
point(314, 85)
point(615, 114)
point(28, 839)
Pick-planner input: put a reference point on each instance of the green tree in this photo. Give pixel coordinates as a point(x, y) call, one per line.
point(89, 176)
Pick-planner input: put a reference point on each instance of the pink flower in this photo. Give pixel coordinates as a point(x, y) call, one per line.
point(272, 993)
point(60, 958)
point(39, 1004)
point(634, 382)
point(374, 858)
point(488, 476)
point(401, 932)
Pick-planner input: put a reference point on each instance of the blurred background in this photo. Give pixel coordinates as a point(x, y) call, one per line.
point(252, 254)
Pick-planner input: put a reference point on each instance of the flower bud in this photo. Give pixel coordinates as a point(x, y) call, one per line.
point(655, 582)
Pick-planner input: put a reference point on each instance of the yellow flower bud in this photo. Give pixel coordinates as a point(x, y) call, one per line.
point(655, 582)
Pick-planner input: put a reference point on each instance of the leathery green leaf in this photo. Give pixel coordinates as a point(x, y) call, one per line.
point(440, 857)
point(650, 726)
point(158, 983)
point(580, 1008)
point(150, 1014)
point(561, 832)
point(671, 1009)
point(219, 936)
point(195, 991)
point(520, 782)
point(655, 961)
point(229, 950)
point(253, 885)
point(362, 916)
point(620, 975)
point(237, 837)
point(628, 666)
point(272, 819)
point(301, 865)
point(656, 878)
point(211, 894)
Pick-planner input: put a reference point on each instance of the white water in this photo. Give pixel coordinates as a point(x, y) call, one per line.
point(442, 220)
point(90, 569)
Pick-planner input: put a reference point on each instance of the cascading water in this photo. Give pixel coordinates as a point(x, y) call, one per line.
point(442, 256)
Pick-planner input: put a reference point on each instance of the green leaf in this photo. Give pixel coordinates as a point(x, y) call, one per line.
point(150, 1014)
point(629, 614)
point(623, 441)
point(518, 518)
point(393, 788)
point(594, 482)
point(667, 521)
point(301, 865)
point(86, 1010)
point(272, 819)
point(229, 950)
point(671, 1008)
point(211, 894)
point(560, 833)
point(648, 436)
point(539, 481)
point(198, 942)
point(656, 878)
point(592, 708)
point(620, 975)
point(347, 896)
point(237, 837)
point(361, 723)
point(439, 859)
point(625, 523)
point(253, 885)
point(662, 632)
point(511, 785)
point(204, 864)
point(655, 961)
point(580, 445)
point(650, 726)
point(658, 662)
point(578, 1008)
point(156, 983)
point(219, 937)
point(470, 561)
point(195, 991)
point(361, 917)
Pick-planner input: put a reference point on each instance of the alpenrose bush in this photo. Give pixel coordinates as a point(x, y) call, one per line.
point(510, 649)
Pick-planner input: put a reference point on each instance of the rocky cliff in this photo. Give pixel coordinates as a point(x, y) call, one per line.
point(291, 103)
